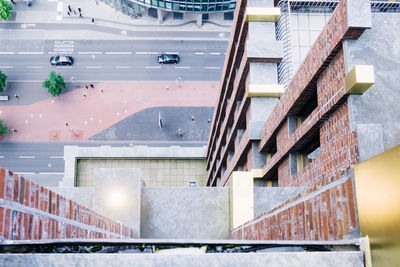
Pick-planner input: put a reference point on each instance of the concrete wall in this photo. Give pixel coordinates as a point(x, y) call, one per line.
point(179, 212)
point(376, 113)
point(267, 198)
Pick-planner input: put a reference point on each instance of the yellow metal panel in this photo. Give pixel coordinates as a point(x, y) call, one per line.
point(263, 13)
point(241, 198)
point(377, 183)
point(265, 90)
point(257, 173)
point(359, 79)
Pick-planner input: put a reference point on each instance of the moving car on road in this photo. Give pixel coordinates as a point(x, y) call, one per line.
point(61, 60)
point(168, 59)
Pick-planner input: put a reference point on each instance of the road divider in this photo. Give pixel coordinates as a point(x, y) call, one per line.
point(26, 157)
point(123, 67)
point(147, 53)
point(212, 68)
point(94, 67)
point(90, 53)
point(30, 53)
point(6, 53)
point(153, 67)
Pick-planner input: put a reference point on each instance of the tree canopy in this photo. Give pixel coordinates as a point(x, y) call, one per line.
point(54, 84)
point(5, 10)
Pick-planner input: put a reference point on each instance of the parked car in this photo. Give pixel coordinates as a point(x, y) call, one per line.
point(61, 60)
point(168, 59)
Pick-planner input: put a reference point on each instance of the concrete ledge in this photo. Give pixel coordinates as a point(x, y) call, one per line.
point(310, 259)
point(257, 173)
point(263, 13)
point(359, 79)
point(265, 90)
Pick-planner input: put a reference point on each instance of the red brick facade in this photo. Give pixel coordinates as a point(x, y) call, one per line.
point(29, 211)
point(329, 215)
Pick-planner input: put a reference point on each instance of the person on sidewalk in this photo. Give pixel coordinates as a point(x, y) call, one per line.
point(79, 10)
point(91, 85)
point(92, 20)
point(87, 87)
point(80, 15)
point(16, 96)
point(14, 130)
point(13, 2)
point(69, 8)
point(69, 14)
point(84, 95)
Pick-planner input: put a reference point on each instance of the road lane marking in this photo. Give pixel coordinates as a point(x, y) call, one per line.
point(63, 67)
point(90, 53)
point(34, 67)
point(27, 157)
point(30, 53)
point(94, 67)
point(51, 173)
point(152, 67)
point(123, 67)
point(199, 53)
point(59, 6)
point(182, 67)
point(177, 53)
point(6, 53)
point(63, 45)
point(1, 157)
point(56, 157)
point(22, 173)
point(215, 53)
point(6, 67)
point(212, 68)
point(118, 53)
point(63, 49)
point(147, 53)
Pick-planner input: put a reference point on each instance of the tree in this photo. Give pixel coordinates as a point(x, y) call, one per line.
point(3, 79)
point(5, 10)
point(55, 83)
point(3, 128)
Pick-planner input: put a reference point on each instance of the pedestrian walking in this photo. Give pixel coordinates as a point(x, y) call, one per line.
point(91, 85)
point(102, 90)
point(69, 14)
point(80, 15)
point(14, 130)
point(13, 2)
point(74, 12)
point(79, 9)
point(66, 124)
point(16, 96)
point(84, 95)
point(87, 87)
point(69, 8)
point(92, 20)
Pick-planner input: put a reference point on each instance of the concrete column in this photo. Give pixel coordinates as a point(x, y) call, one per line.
point(160, 16)
point(241, 198)
point(199, 20)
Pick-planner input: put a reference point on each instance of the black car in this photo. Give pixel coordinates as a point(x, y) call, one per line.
point(168, 59)
point(61, 60)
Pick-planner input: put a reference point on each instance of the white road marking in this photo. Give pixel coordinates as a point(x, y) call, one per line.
point(123, 67)
point(63, 49)
point(52, 53)
point(182, 67)
point(51, 173)
point(27, 157)
point(6, 53)
point(6, 67)
point(63, 67)
point(30, 53)
point(90, 53)
point(152, 67)
point(22, 173)
point(147, 53)
point(1, 157)
point(63, 45)
point(59, 17)
point(34, 67)
point(212, 68)
point(94, 67)
point(56, 157)
point(199, 53)
point(215, 53)
point(118, 53)
point(59, 6)
point(177, 53)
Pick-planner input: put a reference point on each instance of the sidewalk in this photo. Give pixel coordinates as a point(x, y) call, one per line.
point(103, 106)
point(55, 11)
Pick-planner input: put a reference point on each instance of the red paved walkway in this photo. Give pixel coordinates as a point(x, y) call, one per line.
point(45, 120)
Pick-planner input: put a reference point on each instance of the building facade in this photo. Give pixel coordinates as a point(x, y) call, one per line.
point(306, 119)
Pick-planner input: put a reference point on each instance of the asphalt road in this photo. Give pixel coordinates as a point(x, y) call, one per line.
point(112, 60)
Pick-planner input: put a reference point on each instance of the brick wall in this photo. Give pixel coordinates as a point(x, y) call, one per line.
point(326, 213)
point(29, 211)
